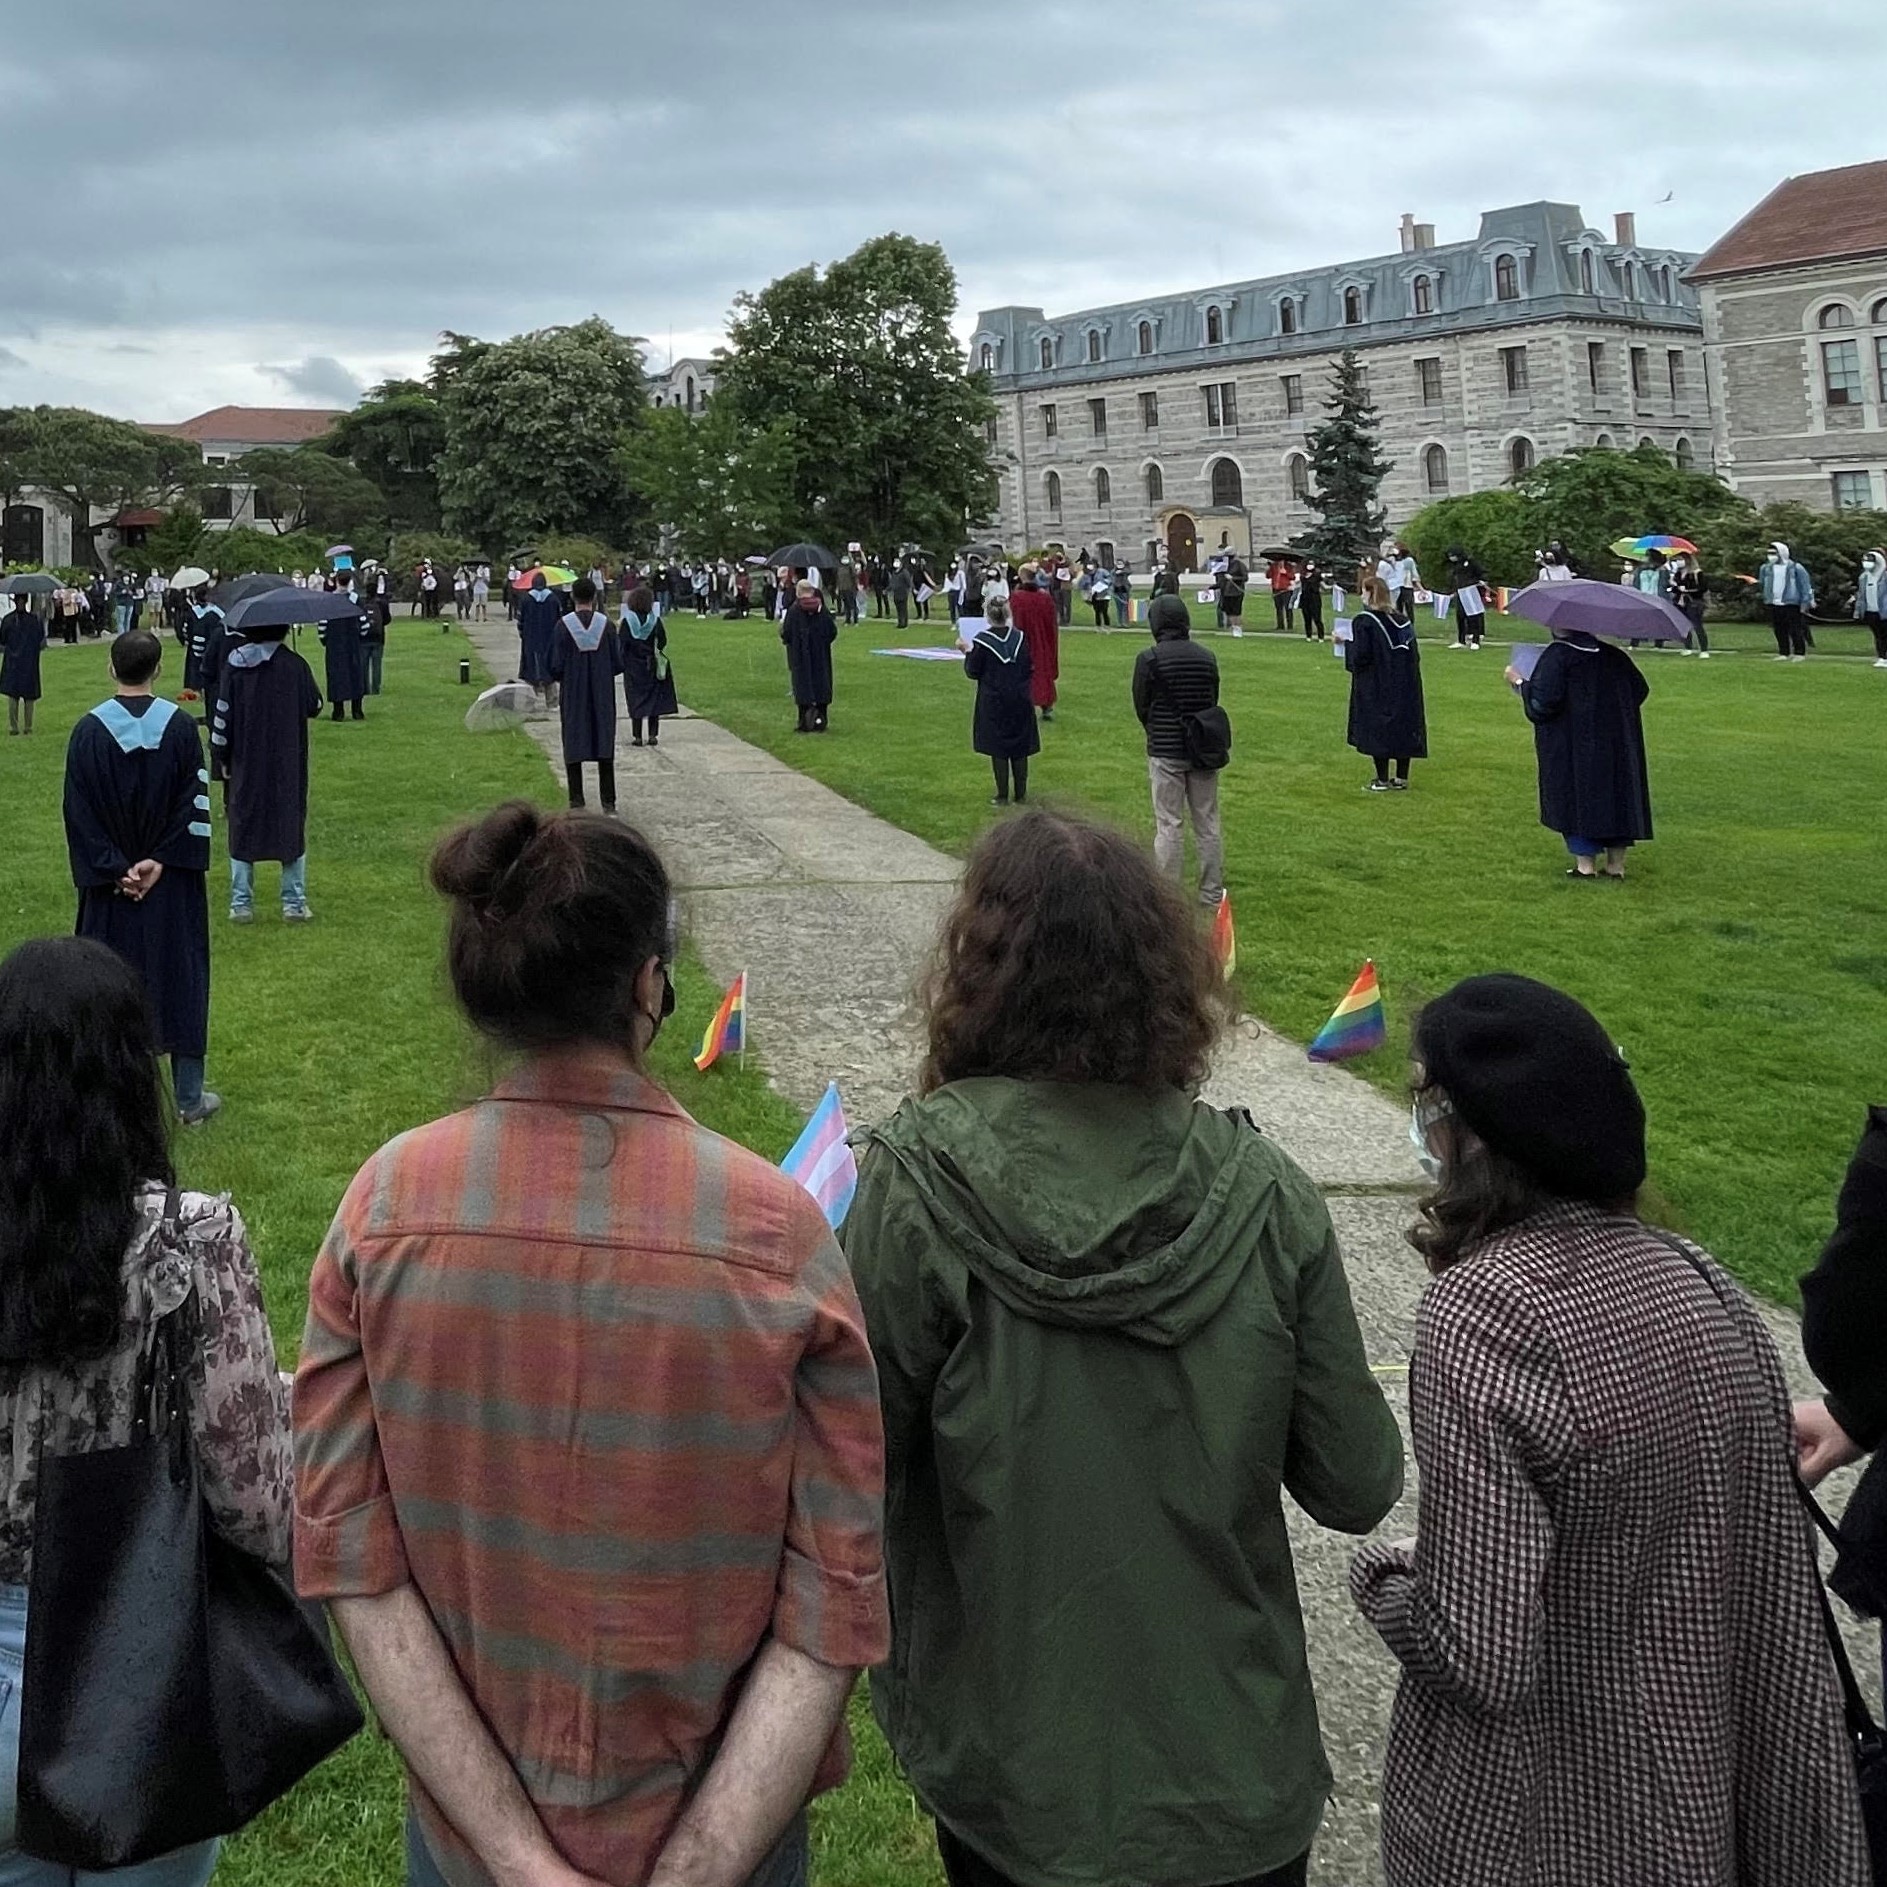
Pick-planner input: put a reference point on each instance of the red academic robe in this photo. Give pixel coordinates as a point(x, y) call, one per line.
point(1034, 614)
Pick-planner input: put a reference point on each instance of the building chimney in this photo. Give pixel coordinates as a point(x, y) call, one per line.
point(1425, 235)
point(1625, 226)
point(1408, 231)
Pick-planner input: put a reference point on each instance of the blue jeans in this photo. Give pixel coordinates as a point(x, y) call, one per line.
point(188, 1867)
point(373, 656)
point(242, 890)
point(186, 1083)
point(787, 1866)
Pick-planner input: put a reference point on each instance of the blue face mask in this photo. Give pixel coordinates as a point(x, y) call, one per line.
point(1425, 1156)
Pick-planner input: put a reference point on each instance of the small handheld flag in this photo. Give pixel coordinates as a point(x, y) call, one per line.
point(1358, 1025)
point(822, 1162)
point(1224, 937)
point(727, 1033)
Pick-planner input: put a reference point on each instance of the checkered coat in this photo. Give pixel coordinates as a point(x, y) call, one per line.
point(1613, 1668)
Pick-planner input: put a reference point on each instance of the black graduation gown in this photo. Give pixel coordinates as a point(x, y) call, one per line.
point(809, 636)
point(125, 803)
point(344, 639)
point(587, 695)
point(1583, 700)
point(215, 674)
point(646, 693)
point(203, 635)
point(1388, 715)
point(22, 636)
point(538, 618)
point(261, 728)
point(1004, 727)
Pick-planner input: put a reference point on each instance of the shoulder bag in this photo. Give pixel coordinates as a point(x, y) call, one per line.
point(173, 1687)
point(1206, 734)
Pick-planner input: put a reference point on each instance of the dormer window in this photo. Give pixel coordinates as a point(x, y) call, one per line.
point(988, 358)
point(1287, 316)
point(1352, 307)
point(1422, 295)
point(1628, 275)
point(1506, 278)
point(1143, 337)
point(1097, 347)
point(1215, 326)
point(1588, 274)
point(1048, 353)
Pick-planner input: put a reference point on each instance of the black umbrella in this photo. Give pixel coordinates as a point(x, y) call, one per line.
point(804, 557)
point(279, 609)
point(240, 589)
point(1282, 556)
point(30, 583)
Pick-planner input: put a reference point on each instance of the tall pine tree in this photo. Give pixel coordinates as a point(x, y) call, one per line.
point(1347, 470)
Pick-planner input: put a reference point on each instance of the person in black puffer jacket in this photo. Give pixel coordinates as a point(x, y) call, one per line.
point(1175, 678)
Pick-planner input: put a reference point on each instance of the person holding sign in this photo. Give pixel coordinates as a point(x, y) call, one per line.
point(996, 658)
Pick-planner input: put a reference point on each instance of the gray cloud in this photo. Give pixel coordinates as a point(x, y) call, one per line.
point(10, 362)
point(320, 380)
point(355, 177)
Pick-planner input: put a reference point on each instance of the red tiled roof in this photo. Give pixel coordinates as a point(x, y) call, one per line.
point(1827, 216)
point(133, 520)
point(256, 425)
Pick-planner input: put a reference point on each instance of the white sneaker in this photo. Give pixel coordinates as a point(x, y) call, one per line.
point(1882, 663)
point(1780, 658)
point(1798, 658)
point(1703, 655)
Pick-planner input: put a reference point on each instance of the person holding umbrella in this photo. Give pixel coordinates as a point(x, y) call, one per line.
point(648, 683)
point(809, 632)
point(1388, 717)
point(1584, 698)
point(22, 637)
point(344, 639)
point(585, 660)
point(996, 658)
point(1283, 591)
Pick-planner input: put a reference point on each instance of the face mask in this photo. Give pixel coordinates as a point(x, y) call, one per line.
point(1425, 1156)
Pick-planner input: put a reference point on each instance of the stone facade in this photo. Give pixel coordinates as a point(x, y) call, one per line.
point(1114, 428)
point(688, 384)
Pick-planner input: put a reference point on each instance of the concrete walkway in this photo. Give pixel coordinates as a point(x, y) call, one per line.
point(832, 912)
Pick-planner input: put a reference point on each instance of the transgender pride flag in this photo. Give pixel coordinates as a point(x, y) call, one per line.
point(822, 1162)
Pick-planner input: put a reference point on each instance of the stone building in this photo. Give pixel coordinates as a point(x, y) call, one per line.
point(1795, 342)
point(1177, 424)
point(687, 383)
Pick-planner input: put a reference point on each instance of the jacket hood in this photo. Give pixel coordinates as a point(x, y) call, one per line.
point(1090, 1207)
point(1780, 552)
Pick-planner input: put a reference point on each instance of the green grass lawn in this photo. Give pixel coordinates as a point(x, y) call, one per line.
point(1743, 966)
point(326, 1041)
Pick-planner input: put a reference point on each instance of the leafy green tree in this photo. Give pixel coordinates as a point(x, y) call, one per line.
point(1500, 529)
point(1347, 470)
point(860, 371)
point(714, 486)
point(92, 463)
point(246, 550)
point(1592, 497)
point(396, 436)
point(168, 546)
point(302, 488)
point(533, 430)
point(411, 548)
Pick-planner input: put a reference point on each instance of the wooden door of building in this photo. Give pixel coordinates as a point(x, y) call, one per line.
point(1182, 543)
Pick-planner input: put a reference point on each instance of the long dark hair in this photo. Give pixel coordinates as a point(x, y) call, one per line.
point(82, 1125)
point(1069, 957)
point(1481, 1192)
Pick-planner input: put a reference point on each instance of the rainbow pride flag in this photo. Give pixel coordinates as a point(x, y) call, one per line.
point(821, 1160)
point(1358, 1025)
point(727, 1033)
point(1224, 937)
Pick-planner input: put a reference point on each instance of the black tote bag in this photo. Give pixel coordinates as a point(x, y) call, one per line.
point(173, 1687)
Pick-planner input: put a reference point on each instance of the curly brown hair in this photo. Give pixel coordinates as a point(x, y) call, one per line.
point(1069, 957)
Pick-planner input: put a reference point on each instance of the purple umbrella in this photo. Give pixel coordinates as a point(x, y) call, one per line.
point(1601, 609)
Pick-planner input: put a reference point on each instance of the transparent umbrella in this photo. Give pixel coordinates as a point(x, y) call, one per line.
point(510, 704)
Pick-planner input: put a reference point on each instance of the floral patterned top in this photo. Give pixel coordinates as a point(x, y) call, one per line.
point(238, 1401)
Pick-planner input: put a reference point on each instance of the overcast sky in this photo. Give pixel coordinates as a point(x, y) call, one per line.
point(283, 201)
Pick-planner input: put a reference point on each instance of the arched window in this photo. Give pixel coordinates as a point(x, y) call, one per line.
point(691, 393)
point(1094, 344)
point(1156, 484)
point(989, 357)
point(1146, 337)
point(1287, 316)
point(1435, 469)
point(1835, 316)
point(1048, 353)
point(1628, 278)
point(1052, 486)
point(1588, 275)
point(1506, 279)
point(1603, 442)
point(1880, 313)
point(1352, 307)
point(1215, 326)
point(1297, 473)
point(1103, 488)
point(1684, 456)
point(1664, 281)
point(1228, 485)
point(1520, 457)
point(1423, 291)
point(1647, 440)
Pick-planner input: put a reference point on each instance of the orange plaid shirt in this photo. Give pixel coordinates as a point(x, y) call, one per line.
point(595, 1381)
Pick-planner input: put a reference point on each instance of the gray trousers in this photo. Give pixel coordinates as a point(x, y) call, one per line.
point(1176, 787)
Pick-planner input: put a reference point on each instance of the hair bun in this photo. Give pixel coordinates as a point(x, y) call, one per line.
point(478, 863)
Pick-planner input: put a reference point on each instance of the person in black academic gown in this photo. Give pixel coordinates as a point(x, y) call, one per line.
point(345, 639)
point(1583, 699)
point(137, 815)
point(539, 613)
point(648, 683)
point(997, 659)
point(809, 632)
point(203, 626)
point(22, 636)
point(585, 660)
point(267, 699)
point(1388, 717)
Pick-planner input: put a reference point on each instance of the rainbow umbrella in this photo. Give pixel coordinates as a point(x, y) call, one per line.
point(553, 574)
point(1635, 547)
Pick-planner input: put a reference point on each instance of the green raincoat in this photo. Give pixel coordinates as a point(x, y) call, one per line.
point(1112, 1328)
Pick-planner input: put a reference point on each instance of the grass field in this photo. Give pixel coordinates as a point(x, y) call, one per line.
point(1743, 966)
point(325, 1041)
